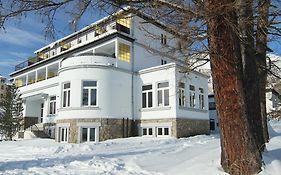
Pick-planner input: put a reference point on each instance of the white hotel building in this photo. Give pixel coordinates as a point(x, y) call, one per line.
point(103, 82)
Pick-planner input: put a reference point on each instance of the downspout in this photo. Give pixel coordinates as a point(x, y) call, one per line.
point(132, 90)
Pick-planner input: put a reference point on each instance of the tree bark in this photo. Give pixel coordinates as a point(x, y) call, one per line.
point(250, 68)
point(261, 47)
point(240, 153)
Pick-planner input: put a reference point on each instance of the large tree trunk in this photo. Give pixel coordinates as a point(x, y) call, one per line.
point(250, 68)
point(240, 153)
point(261, 46)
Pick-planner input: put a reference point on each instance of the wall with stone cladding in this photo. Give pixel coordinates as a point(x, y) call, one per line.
point(109, 128)
point(182, 127)
point(188, 127)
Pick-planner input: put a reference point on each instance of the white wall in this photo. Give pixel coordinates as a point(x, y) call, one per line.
point(169, 73)
point(113, 94)
point(154, 77)
point(199, 81)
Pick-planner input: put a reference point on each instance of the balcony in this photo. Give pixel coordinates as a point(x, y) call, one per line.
point(27, 63)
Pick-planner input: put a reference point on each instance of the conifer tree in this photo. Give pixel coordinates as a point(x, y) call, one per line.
point(10, 112)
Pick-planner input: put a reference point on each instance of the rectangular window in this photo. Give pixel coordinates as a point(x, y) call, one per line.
point(212, 106)
point(191, 96)
point(147, 131)
point(66, 95)
point(147, 96)
point(181, 94)
point(88, 135)
point(163, 94)
point(163, 39)
point(163, 131)
point(201, 98)
point(89, 97)
point(63, 134)
point(124, 52)
point(52, 105)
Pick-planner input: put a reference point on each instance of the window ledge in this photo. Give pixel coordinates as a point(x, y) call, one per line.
point(155, 109)
point(80, 108)
point(51, 115)
point(192, 109)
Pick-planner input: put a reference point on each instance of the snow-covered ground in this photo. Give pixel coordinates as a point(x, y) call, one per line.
point(199, 155)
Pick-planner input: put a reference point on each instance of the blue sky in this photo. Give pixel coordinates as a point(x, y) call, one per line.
point(21, 38)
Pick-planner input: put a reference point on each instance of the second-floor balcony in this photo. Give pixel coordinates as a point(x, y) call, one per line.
point(28, 62)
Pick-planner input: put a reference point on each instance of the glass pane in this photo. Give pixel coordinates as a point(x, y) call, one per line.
point(160, 100)
point(89, 83)
point(144, 131)
point(66, 86)
point(62, 134)
point(68, 99)
point(93, 97)
point(159, 131)
point(143, 100)
point(146, 87)
point(162, 85)
point(53, 98)
point(201, 90)
point(51, 108)
point(84, 134)
point(149, 99)
point(54, 107)
point(64, 98)
point(150, 131)
point(166, 131)
point(166, 97)
point(92, 134)
point(85, 97)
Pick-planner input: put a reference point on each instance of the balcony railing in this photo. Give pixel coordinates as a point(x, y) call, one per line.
point(27, 63)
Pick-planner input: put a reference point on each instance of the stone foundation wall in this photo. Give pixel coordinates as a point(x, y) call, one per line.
point(108, 129)
point(122, 128)
point(181, 127)
point(191, 127)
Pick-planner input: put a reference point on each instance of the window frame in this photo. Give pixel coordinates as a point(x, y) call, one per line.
point(192, 97)
point(68, 95)
point(181, 97)
point(163, 90)
point(201, 97)
point(63, 136)
point(89, 88)
point(52, 105)
point(88, 134)
point(163, 39)
point(146, 92)
point(163, 131)
point(147, 129)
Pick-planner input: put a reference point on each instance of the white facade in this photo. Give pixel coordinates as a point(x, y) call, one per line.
point(90, 77)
